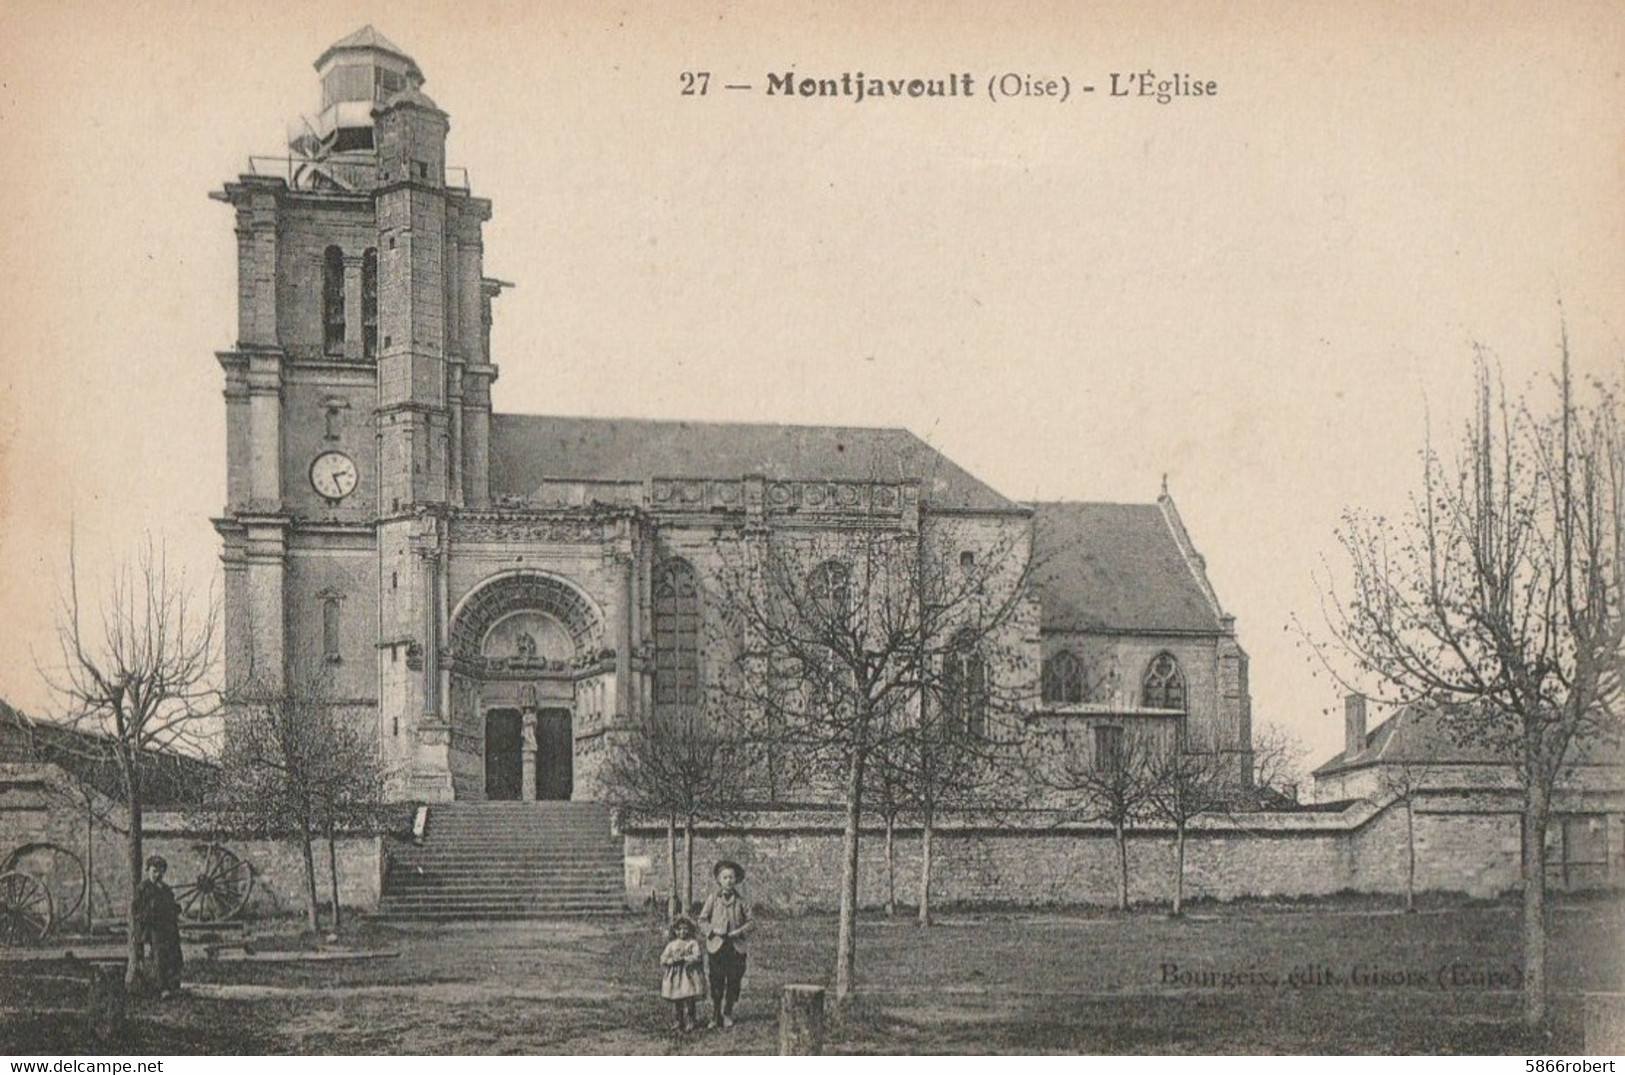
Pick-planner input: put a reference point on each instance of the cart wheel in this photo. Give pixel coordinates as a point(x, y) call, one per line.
point(58, 869)
point(26, 914)
point(220, 887)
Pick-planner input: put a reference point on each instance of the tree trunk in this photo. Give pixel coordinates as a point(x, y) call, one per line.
point(1121, 832)
point(305, 845)
point(927, 831)
point(133, 854)
point(1179, 868)
point(846, 943)
point(674, 901)
point(333, 873)
point(801, 1020)
point(891, 864)
point(1534, 907)
point(90, 861)
point(1410, 857)
point(688, 856)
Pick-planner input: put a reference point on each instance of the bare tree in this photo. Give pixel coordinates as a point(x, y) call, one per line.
point(1106, 778)
point(135, 674)
point(1188, 782)
point(938, 765)
point(838, 636)
point(886, 797)
point(293, 765)
point(352, 789)
point(682, 764)
point(1399, 783)
point(1278, 756)
point(1501, 596)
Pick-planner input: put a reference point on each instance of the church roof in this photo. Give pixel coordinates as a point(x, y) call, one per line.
point(366, 38)
point(1117, 567)
point(528, 449)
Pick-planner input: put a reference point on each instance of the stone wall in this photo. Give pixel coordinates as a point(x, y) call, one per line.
point(38, 804)
point(279, 871)
point(793, 860)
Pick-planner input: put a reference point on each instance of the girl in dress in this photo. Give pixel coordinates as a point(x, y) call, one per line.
point(682, 979)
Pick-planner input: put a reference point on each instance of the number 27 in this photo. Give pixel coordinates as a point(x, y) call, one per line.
point(695, 83)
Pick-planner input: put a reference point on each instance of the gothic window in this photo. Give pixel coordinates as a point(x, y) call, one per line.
point(331, 603)
point(369, 303)
point(1164, 684)
point(677, 635)
point(333, 299)
point(1108, 747)
point(1063, 678)
point(830, 587)
point(965, 688)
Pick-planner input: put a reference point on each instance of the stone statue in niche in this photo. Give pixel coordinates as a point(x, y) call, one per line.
point(1110, 687)
point(525, 648)
point(527, 731)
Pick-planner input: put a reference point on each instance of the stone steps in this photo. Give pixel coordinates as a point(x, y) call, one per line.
point(524, 854)
point(493, 914)
point(483, 886)
point(507, 861)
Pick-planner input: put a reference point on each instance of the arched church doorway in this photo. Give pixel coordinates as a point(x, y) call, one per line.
point(529, 754)
point(527, 656)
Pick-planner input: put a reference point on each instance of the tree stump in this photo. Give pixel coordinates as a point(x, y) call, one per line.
point(105, 1003)
point(801, 1021)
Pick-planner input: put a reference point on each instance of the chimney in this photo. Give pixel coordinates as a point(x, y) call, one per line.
point(1353, 725)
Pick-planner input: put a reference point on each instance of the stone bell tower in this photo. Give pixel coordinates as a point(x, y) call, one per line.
point(358, 402)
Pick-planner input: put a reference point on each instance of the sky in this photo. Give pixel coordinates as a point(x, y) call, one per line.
point(1270, 294)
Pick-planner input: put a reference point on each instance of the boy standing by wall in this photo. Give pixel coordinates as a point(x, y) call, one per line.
point(725, 920)
point(159, 919)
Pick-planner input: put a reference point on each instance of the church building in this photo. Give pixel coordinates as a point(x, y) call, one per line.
point(498, 593)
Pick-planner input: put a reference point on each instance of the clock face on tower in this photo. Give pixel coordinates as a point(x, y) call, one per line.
point(333, 475)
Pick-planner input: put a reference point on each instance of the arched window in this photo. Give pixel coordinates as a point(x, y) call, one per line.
point(1164, 684)
point(333, 299)
point(830, 587)
point(369, 303)
point(677, 634)
point(965, 687)
point(1063, 678)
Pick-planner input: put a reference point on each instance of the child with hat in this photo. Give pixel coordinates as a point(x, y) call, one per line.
point(725, 920)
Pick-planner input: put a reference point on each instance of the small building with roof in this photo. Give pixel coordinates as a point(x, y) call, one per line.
point(1467, 799)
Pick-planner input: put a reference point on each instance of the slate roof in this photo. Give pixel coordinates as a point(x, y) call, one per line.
point(167, 779)
point(1418, 735)
point(366, 38)
point(1116, 567)
point(528, 449)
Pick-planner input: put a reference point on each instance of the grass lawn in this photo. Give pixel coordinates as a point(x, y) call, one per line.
point(1332, 977)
